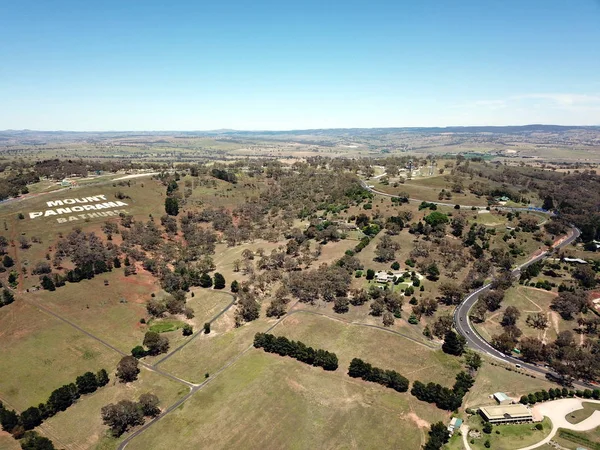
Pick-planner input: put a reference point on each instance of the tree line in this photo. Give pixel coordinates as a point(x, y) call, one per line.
point(552, 394)
point(388, 378)
point(297, 350)
point(444, 397)
point(60, 399)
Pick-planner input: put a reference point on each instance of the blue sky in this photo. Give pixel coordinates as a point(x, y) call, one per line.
point(198, 65)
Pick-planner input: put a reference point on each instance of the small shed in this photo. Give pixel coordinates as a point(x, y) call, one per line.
point(455, 424)
point(502, 398)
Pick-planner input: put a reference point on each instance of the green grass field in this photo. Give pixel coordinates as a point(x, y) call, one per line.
point(40, 353)
point(65, 428)
point(509, 437)
point(581, 414)
point(268, 402)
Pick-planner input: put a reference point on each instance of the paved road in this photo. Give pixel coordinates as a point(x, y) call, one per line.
point(461, 314)
point(464, 326)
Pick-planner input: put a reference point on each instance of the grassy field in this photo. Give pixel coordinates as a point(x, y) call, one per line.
point(581, 414)
point(493, 378)
point(509, 437)
point(268, 402)
point(7, 442)
point(414, 361)
point(40, 353)
point(578, 439)
point(65, 428)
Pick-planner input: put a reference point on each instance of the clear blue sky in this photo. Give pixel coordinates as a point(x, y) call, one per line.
point(199, 65)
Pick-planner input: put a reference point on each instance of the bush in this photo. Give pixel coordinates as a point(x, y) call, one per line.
point(487, 428)
point(539, 426)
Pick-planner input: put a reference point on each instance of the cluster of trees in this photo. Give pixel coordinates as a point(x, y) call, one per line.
point(155, 345)
point(224, 175)
point(564, 355)
point(125, 414)
point(389, 378)
point(438, 436)
point(60, 399)
point(326, 283)
point(7, 297)
point(443, 397)
point(552, 394)
point(567, 303)
point(454, 344)
point(297, 350)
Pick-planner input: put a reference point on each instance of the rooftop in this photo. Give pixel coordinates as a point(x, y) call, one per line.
point(505, 411)
point(501, 396)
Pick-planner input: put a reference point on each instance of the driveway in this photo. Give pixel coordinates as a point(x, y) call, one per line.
point(557, 410)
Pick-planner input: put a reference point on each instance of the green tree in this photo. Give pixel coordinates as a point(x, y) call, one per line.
point(102, 378)
point(219, 281)
point(454, 344)
point(436, 219)
point(187, 330)
point(235, 286)
point(205, 280)
point(31, 418)
point(127, 369)
point(86, 383)
point(33, 441)
point(155, 343)
point(487, 428)
point(48, 284)
point(171, 206)
point(395, 265)
point(149, 404)
point(121, 416)
point(7, 261)
point(207, 328)
point(370, 274)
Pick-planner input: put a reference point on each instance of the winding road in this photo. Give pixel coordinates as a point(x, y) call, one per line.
point(461, 314)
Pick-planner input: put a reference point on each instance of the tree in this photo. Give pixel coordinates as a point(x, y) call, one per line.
point(510, 317)
point(207, 328)
point(586, 276)
point(388, 319)
point(155, 343)
point(121, 416)
point(436, 219)
point(63, 397)
point(7, 261)
point(205, 280)
point(31, 418)
point(127, 369)
point(487, 428)
point(493, 299)
point(7, 297)
point(219, 281)
point(473, 360)
point(454, 344)
point(149, 404)
point(47, 283)
point(503, 343)
point(537, 320)
point(33, 441)
point(370, 274)
point(138, 352)
point(395, 265)
point(102, 378)
point(156, 307)
point(340, 305)
point(386, 249)
point(187, 330)
point(433, 273)
point(171, 206)
point(86, 383)
point(9, 419)
point(442, 325)
point(569, 303)
point(235, 286)
point(452, 293)
point(438, 436)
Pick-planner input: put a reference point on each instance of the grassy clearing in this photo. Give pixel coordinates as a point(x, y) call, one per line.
point(165, 325)
point(348, 341)
point(529, 301)
point(492, 378)
point(209, 352)
point(112, 312)
point(65, 428)
point(577, 439)
point(581, 414)
point(40, 353)
point(300, 407)
point(509, 437)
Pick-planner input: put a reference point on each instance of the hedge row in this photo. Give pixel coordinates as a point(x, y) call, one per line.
point(551, 394)
point(60, 399)
point(443, 397)
point(297, 350)
point(389, 378)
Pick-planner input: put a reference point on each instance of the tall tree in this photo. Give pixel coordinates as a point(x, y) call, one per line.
point(454, 344)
